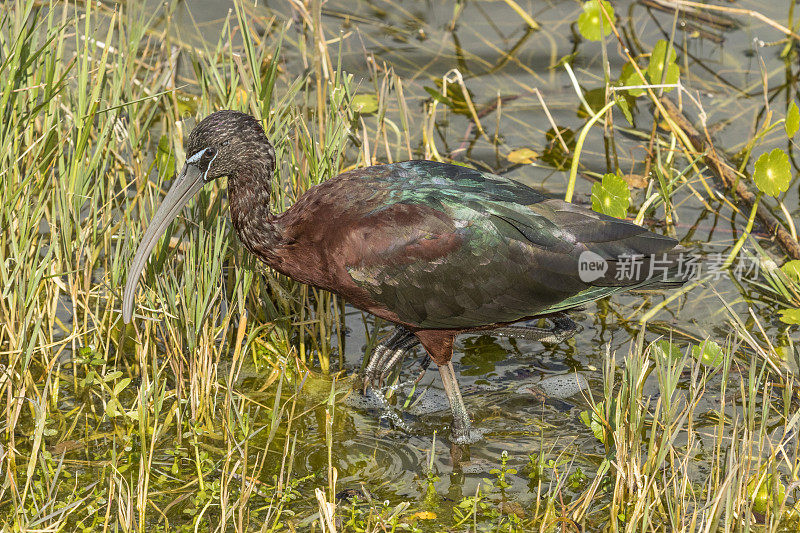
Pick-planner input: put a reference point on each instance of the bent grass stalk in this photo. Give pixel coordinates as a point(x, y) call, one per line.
point(573, 170)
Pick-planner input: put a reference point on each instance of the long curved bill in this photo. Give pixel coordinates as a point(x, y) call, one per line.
point(187, 184)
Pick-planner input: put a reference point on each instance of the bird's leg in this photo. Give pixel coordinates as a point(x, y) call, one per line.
point(396, 355)
point(423, 368)
point(563, 328)
point(383, 351)
point(461, 431)
point(382, 346)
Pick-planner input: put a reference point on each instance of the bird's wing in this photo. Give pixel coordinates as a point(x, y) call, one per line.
point(452, 247)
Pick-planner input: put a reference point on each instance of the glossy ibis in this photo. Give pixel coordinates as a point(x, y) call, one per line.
point(436, 249)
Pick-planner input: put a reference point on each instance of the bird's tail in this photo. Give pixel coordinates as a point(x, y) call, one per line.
point(672, 268)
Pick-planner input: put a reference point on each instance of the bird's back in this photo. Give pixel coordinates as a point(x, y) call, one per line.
point(441, 246)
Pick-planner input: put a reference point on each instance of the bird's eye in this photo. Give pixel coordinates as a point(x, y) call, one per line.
point(209, 154)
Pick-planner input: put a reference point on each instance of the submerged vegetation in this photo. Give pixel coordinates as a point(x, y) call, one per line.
point(227, 405)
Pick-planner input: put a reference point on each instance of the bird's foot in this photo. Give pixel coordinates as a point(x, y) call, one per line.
point(469, 436)
point(387, 412)
point(563, 329)
point(387, 355)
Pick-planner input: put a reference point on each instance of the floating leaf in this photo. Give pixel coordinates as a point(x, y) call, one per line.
point(667, 349)
point(792, 120)
point(596, 98)
point(629, 77)
point(663, 57)
point(554, 153)
point(773, 173)
point(792, 269)
point(364, 104)
point(611, 196)
point(522, 155)
point(592, 23)
point(424, 515)
point(790, 316)
point(637, 181)
point(709, 353)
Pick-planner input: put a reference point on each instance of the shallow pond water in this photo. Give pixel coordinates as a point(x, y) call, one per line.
point(526, 398)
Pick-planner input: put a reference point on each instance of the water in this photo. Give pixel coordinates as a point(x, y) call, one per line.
point(527, 397)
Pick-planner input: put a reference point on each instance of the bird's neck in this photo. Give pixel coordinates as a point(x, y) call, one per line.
point(249, 193)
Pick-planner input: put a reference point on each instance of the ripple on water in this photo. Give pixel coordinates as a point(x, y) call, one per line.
point(385, 466)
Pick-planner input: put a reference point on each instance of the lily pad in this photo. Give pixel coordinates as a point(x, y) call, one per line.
point(709, 353)
point(522, 155)
point(790, 316)
point(663, 57)
point(792, 269)
point(592, 23)
point(611, 196)
point(554, 153)
point(637, 181)
point(667, 349)
point(630, 77)
point(792, 120)
point(364, 104)
point(773, 173)
point(596, 98)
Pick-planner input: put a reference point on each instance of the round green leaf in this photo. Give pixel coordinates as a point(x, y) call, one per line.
point(629, 76)
point(365, 103)
point(611, 196)
point(592, 23)
point(792, 120)
point(662, 54)
point(709, 353)
point(773, 173)
point(663, 57)
point(667, 349)
point(792, 270)
point(522, 155)
point(790, 316)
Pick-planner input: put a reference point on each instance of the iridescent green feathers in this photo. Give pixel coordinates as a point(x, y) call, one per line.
point(458, 248)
